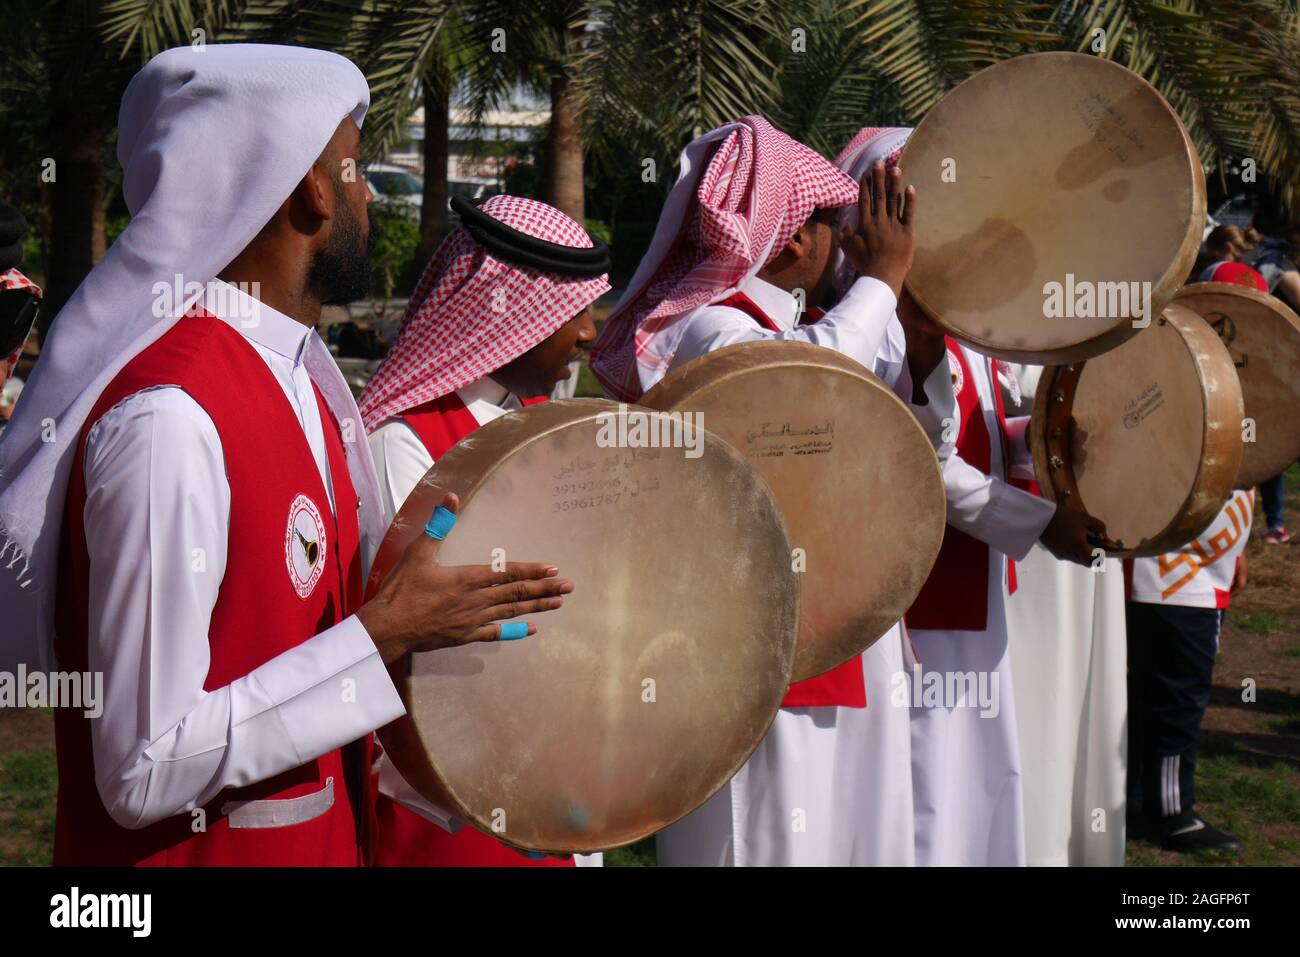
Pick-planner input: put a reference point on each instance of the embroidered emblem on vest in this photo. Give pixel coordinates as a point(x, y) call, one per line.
point(304, 546)
point(958, 377)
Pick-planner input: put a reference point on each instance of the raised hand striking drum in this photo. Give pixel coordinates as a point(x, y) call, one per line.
point(1155, 442)
point(1057, 191)
point(650, 688)
point(853, 472)
point(1263, 337)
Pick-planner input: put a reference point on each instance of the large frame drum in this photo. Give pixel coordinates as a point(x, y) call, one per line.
point(1263, 337)
point(650, 688)
point(1146, 438)
point(1051, 168)
point(852, 471)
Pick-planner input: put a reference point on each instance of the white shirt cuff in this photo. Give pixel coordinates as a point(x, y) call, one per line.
point(331, 690)
point(1014, 519)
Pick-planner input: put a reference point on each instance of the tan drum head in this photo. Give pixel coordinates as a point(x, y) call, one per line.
point(650, 688)
point(1156, 441)
point(852, 470)
point(1263, 337)
point(1051, 168)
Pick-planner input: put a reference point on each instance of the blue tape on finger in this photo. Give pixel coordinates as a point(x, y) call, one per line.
point(514, 630)
point(440, 524)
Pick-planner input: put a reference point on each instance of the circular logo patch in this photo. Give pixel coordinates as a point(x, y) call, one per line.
point(304, 545)
point(958, 377)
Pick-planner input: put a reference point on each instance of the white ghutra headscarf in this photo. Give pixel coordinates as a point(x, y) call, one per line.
point(212, 141)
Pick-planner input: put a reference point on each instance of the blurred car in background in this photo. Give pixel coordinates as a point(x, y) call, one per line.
point(396, 188)
point(402, 190)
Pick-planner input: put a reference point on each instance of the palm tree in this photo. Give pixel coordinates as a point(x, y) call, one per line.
point(57, 111)
point(1230, 70)
point(629, 79)
point(829, 82)
point(656, 76)
point(535, 44)
point(412, 55)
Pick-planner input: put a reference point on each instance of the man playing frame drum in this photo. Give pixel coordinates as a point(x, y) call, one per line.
point(493, 323)
point(965, 755)
point(751, 220)
point(983, 509)
point(242, 674)
point(1065, 632)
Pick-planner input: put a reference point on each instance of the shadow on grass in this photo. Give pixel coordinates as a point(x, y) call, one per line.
point(1267, 700)
point(1252, 750)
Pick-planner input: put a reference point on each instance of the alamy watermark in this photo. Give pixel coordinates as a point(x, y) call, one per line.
point(638, 429)
point(947, 689)
point(55, 689)
point(129, 911)
point(1084, 299)
point(230, 301)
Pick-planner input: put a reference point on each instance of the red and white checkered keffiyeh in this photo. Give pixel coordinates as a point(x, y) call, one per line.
point(472, 313)
point(870, 144)
point(13, 279)
point(720, 225)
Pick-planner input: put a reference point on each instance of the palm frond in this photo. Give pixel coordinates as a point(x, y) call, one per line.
point(925, 47)
point(655, 78)
point(143, 28)
point(831, 88)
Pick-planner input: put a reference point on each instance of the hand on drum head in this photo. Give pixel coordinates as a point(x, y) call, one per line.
point(884, 242)
point(423, 606)
point(1072, 535)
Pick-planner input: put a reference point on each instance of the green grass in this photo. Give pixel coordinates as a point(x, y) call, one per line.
point(28, 783)
point(1258, 623)
point(1250, 802)
point(640, 854)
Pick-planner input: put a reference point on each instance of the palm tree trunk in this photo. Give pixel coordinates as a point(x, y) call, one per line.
point(433, 205)
point(77, 206)
point(564, 173)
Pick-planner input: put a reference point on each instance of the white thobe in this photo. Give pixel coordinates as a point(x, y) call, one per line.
point(827, 785)
point(401, 460)
point(967, 798)
point(156, 490)
point(1066, 632)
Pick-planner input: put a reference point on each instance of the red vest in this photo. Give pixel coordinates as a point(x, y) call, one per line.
point(844, 686)
point(956, 595)
point(260, 611)
point(403, 838)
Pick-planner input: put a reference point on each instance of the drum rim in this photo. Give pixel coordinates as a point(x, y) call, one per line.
point(1279, 309)
point(1162, 292)
point(1174, 534)
point(405, 730)
point(1232, 289)
point(803, 355)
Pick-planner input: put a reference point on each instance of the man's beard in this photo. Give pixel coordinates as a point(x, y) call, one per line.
point(341, 271)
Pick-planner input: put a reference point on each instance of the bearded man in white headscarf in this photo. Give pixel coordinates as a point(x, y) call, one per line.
point(188, 493)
